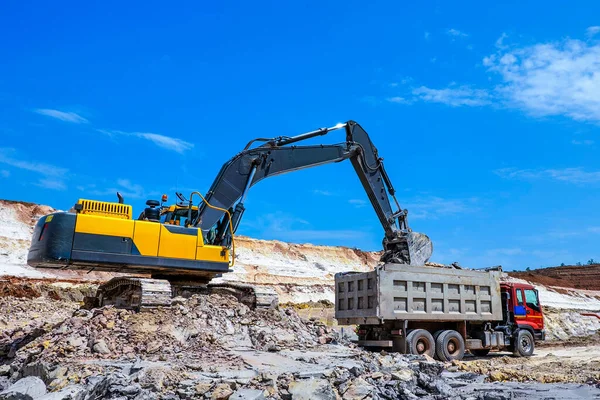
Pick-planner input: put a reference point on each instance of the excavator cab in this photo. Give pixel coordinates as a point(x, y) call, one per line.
point(177, 214)
point(174, 214)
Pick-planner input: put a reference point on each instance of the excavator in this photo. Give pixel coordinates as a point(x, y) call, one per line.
point(180, 248)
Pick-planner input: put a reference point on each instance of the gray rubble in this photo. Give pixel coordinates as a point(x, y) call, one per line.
point(213, 347)
point(27, 388)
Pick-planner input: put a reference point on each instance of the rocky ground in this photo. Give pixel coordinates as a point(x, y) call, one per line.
point(217, 348)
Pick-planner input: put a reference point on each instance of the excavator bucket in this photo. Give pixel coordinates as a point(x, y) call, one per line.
point(420, 248)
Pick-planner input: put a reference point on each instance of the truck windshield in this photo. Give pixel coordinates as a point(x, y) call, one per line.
point(531, 299)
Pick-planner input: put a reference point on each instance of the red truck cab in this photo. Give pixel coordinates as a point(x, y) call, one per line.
point(523, 302)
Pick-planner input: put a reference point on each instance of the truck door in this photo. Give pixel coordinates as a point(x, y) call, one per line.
point(519, 305)
point(528, 310)
point(533, 309)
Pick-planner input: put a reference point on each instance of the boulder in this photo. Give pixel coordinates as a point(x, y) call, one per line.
point(358, 390)
point(28, 388)
point(311, 389)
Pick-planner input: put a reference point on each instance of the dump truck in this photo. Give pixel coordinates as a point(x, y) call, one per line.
point(442, 312)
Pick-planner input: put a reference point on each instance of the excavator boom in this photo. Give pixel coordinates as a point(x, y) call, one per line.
point(281, 155)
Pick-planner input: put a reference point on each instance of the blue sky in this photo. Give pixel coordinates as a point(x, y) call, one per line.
point(486, 115)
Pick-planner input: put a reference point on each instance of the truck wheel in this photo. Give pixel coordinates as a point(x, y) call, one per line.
point(420, 342)
point(449, 346)
point(435, 336)
point(480, 352)
point(437, 333)
point(524, 344)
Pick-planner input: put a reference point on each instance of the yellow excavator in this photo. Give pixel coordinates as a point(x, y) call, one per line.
point(180, 248)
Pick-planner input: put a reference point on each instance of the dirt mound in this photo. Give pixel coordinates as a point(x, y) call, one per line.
point(571, 276)
point(54, 289)
point(27, 213)
point(549, 368)
point(192, 331)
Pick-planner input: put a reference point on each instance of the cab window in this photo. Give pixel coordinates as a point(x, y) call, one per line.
point(166, 217)
point(519, 297)
point(531, 298)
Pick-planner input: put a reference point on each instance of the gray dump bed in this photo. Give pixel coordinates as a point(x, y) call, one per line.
point(404, 292)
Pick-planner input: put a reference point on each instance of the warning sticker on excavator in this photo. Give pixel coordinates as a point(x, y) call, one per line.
point(49, 218)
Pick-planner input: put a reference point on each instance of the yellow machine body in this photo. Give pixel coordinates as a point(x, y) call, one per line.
point(103, 236)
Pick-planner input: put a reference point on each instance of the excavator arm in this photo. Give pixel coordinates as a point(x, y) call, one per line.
point(281, 155)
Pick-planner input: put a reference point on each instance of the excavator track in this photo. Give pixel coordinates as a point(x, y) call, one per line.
point(133, 293)
point(255, 297)
point(141, 294)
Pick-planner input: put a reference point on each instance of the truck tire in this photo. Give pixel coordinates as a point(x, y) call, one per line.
point(435, 336)
point(524, 344)
point(437, 333)
point(449, 346)
point(480, 352)
point(420, 342)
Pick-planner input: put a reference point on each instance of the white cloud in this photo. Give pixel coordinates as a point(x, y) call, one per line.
point(51, 183)
point(86, 187)
point(453, 96)
point(398, 100)
point(456, 33)
point(570, 175)
point(7, 157)
point(586, 142)
point(323, 192)
point(594, 229)
point(358, 203)
point(131, 189)
point(62, 115)
point(546, 79)
point(500, 41)
point(432, 207)
point(4, 173)
point(166, 142)
point(592, 31)
point(124, 186)
point(560, 78)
